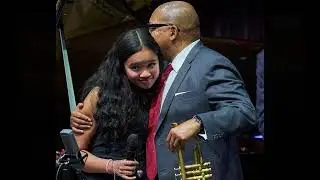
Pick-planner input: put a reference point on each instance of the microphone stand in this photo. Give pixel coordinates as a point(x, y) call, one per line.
point(59, 9)
point(66, 164)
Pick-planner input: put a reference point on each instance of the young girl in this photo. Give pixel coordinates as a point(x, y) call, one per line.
point(117, 99)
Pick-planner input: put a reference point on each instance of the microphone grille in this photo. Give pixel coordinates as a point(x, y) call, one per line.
point(132, 141)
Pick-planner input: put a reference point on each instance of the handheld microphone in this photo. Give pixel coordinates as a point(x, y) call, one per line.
point(132, 146)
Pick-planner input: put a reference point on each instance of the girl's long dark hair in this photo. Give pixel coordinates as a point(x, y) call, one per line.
point(122, 105)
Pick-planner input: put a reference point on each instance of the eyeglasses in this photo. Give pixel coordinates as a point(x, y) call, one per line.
point(153, 27)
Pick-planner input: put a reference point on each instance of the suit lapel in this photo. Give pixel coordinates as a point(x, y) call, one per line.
point(177, 82)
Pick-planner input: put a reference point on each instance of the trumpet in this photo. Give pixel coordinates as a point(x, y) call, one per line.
point(198, 171)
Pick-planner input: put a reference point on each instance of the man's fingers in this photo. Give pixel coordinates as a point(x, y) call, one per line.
point(79, 106)
point(77, 131)
point(169, 136)
point(169, 139)
point(81, 120)
point(170, 144)
point(82, 117)
point(78, 127)
point(175, 145)
point(173, 139)
point(75, 125)
point(84, 127)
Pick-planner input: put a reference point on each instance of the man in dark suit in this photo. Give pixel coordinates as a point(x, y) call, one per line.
point(203, 92)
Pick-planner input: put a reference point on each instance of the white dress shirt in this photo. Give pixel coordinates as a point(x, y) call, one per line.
point(176, 65)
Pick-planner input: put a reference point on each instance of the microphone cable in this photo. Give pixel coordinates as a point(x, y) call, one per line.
point(67, 163)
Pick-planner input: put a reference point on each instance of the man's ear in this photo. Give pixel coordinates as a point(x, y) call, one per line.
point(173, 32)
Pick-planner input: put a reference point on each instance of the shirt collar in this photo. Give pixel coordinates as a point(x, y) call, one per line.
point(181, 57)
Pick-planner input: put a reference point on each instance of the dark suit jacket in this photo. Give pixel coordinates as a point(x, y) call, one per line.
point(215, 92)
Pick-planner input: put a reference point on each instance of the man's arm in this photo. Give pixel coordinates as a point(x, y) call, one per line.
point(232, 110)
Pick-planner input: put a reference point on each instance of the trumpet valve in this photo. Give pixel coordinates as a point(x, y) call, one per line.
point(195, 171)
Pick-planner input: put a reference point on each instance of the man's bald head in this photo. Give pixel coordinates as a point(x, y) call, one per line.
point(179, 27)
point(179, 13)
